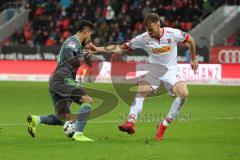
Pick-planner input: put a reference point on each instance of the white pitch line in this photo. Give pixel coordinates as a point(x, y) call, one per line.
point(100, 122)
point(217, 118)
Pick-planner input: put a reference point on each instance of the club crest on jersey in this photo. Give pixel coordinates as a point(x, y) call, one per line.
point(72, 44)
point(160, 50)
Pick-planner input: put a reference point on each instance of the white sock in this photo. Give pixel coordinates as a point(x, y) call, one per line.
point(136, 108)
point(166, 122)
point(175, 108)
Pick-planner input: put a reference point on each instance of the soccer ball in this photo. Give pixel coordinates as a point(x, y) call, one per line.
point(69, 128)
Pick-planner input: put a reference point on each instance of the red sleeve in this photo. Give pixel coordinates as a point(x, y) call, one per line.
point(186, 38)
point(125, 46)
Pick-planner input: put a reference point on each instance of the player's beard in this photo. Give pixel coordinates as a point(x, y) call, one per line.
point(157, 34)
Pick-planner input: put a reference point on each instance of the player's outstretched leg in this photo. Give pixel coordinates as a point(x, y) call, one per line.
point(143, 90)
point(34, 120)
point(83, 115)
point(51, 119)
point(136, 108)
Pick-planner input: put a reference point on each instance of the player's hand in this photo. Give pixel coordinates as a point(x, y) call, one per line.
point(91, 48)
point(194, 65)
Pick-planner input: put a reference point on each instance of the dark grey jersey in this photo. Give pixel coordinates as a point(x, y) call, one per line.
point(68, 63)
point(69, 58)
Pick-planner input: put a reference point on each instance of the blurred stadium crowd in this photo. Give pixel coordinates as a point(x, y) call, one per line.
point(53, 21)
point(234, 40)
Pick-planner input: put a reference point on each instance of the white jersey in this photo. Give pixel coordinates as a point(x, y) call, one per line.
point(161, 51)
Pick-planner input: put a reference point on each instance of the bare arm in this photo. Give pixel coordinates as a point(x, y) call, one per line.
point(108, 49)
point(193, 61)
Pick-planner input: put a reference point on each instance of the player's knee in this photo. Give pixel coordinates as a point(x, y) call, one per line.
point(87, 99)
point(90, 101)
point(77, 94)
point(144, 89)
point(184, 95)
point(143, 93)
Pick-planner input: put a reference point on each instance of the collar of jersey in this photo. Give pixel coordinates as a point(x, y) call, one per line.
point(158, 38)
point(78, 39)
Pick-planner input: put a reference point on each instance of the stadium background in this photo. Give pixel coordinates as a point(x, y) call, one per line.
point(31, 33)
point(34, 30)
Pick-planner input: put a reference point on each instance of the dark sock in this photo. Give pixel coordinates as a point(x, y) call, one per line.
point(83, 115)
point(51, 120)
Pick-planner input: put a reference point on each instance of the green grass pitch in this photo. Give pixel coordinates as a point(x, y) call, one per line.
point(210, 130)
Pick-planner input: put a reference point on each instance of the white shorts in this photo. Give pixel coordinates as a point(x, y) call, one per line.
point(159, 75)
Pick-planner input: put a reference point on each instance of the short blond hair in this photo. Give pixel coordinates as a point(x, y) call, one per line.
point(151, 18)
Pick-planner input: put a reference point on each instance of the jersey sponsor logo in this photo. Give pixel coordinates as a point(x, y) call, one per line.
point(160, 50)
point(72, 44)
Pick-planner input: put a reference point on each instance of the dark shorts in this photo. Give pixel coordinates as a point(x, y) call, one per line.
point(62, 103)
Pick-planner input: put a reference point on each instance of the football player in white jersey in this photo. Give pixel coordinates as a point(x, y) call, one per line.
point(161, 46)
